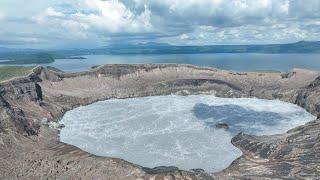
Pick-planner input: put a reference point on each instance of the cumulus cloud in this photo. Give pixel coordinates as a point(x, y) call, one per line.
point(100, 22)
point(53, 13)
point(94, 19)
point(240, 21)
point(114, 17)
point(184, 36)
point(301, 9)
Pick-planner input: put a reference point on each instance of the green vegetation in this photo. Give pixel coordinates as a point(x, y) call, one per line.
point(27, 58)
point(37, 57)
point(8, 72)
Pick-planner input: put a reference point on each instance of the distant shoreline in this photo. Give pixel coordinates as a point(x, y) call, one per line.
point(48, 56)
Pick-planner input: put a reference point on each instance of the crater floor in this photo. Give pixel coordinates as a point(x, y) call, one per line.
point(176, 130)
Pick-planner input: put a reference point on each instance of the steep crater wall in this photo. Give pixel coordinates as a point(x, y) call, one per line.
point(27, 102)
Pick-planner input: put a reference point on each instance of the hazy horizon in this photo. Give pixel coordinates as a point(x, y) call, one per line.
point(142, 44)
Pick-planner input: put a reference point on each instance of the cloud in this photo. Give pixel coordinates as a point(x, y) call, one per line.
point(240, 21)
point(114, 17)
point(216, 12)
point(184, 36)
point(92, 20)
point(51, 12)
point(301, 9)
point(99, 22)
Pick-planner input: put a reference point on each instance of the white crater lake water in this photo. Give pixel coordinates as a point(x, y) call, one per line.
point(176, 130)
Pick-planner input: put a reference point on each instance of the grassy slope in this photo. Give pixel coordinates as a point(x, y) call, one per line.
point(8, 72)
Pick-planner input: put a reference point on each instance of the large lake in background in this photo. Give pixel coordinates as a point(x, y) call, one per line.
point(232, 61)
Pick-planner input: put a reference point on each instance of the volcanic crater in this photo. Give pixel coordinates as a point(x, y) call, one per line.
point(31, 106)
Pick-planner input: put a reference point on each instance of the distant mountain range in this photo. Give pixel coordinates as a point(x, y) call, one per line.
point(5, 50)
point(139, 45)
point(155, 48)
point(45, 56)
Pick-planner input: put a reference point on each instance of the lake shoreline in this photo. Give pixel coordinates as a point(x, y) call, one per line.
point(225, 61)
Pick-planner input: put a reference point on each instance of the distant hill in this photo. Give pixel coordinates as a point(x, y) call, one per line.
point(299, 47)
point(26, 57)
point(3, 49)
point(153, 44)
point(134, 46)
point(37, 56)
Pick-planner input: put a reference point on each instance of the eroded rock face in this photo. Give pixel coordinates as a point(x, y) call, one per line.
point(29, 149)
point(12, 96)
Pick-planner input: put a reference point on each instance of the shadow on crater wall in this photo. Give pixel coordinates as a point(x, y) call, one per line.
point(239, 119)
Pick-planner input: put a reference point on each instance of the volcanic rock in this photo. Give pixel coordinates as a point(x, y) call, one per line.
point(29, 149)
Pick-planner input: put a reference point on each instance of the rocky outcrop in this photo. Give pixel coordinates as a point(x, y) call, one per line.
point(29, 149)
point(222, 125)
point(13, 117)
point(294, 155)
point(308, 97)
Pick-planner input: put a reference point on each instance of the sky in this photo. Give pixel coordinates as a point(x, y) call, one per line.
point(94, 23)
